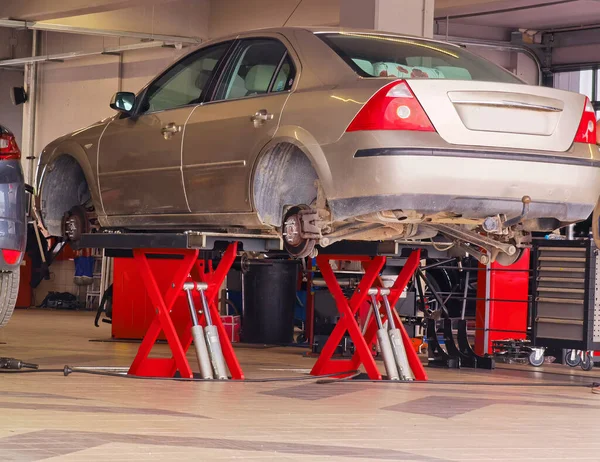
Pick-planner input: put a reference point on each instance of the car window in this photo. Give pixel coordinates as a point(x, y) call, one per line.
point(372, 55)
point(285, 76)
point(185, 82)
point(252, 69)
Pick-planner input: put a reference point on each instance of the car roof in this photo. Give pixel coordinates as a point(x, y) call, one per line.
point(327, 29)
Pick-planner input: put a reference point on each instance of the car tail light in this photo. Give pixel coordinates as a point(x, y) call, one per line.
point(11, 256)
point(586, 133)
point(8, 147)
point(394, 107)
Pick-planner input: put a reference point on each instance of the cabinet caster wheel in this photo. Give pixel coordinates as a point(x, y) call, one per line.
point(587, 364)
point(536, 357)
point(572, 358)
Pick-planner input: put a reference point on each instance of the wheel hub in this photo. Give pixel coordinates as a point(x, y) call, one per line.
point(292, 229)
point(75, 223)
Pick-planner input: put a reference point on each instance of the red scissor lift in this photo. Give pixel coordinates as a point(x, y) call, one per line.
point(348, 309)
point(191, 268)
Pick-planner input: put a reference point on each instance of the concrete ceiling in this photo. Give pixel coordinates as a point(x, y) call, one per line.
point(520, 14)
point(511, 14)
point(40, 10)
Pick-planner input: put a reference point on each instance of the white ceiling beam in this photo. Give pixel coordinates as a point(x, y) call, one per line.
point(98, 32)
point(40, 10)
point(458, 8)
point(79, 54)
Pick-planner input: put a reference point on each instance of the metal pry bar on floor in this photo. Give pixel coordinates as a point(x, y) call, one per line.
point(384, 340)
point(16, 364)
point(198, 333)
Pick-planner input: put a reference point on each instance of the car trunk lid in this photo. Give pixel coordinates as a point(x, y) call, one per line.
point(501, 115)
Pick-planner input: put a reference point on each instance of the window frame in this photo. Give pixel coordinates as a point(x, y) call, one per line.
point(232, 54)
point(142, 96)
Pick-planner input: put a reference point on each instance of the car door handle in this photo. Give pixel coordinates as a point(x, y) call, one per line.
point(170, 129)
point(260, 117)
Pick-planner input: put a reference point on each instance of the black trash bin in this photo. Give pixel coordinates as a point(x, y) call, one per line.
point(269, 299)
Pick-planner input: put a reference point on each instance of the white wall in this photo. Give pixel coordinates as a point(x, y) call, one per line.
point(171, 17)
point(230, 16)
point(13, 44)
point(11, 116)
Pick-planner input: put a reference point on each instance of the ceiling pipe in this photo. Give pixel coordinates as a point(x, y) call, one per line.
point(503, 10)
point(80, 54)
point(571, 28)
point(98, 32)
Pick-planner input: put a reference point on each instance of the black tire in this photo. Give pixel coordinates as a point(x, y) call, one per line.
point(9, 289)
point(587, 363)
point(572, 362)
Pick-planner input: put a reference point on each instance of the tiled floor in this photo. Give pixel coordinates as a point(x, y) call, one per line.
point(46, 416)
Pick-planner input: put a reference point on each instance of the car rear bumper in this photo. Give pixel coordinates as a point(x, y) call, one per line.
point(13, 209)
point(475, 184)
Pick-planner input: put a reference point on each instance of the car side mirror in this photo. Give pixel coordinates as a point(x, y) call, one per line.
point(123, 101)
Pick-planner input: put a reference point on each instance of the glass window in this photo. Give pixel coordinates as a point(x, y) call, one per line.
point(372, 55)
point(285, 76)
point(185, 82)
point(252, 69)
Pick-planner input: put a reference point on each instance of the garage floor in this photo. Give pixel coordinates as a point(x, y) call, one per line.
point(82, 417)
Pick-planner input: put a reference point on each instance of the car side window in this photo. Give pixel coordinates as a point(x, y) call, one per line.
point(258, 66)
point(285, 76)
point(184, 83)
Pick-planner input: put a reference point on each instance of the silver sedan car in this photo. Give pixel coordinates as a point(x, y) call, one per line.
point(328, 135)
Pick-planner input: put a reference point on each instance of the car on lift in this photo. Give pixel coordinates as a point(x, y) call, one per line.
point(13, 222)
point(324, 135)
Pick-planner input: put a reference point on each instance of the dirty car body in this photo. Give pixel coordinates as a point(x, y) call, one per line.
point(13, 205)
point(13, 223)
point(329, 135)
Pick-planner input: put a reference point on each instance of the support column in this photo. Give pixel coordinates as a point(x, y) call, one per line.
point(28, 160)
point(411, 17)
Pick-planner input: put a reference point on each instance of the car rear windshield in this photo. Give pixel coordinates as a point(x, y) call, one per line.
point(372, 55)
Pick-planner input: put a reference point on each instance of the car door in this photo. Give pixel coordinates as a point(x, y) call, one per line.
point(224, 136)
point(139, 167)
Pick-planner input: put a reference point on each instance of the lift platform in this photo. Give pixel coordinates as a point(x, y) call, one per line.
point(117, 241)
point(348, 308)
point(187, 248)
point(190, 247)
